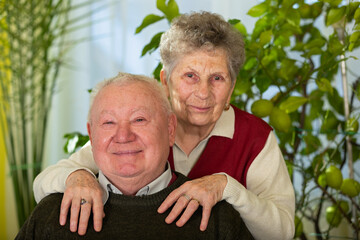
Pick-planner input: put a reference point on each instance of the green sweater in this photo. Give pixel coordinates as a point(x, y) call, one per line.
point(131, 217)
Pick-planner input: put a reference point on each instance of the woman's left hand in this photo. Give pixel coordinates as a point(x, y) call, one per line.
point(205, 191)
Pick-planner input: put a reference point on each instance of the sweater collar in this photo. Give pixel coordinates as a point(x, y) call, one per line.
point(155, 186)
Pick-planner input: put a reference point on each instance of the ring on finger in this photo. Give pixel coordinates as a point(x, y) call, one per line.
point(83, 201)
point(187, 197)
point(196, 200)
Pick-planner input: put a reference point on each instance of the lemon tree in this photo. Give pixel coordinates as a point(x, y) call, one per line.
point(292, 67)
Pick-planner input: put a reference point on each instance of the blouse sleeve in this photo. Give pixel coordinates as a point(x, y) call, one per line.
point(267, 206)
point(53, 178)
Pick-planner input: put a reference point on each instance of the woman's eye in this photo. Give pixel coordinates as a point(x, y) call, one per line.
point(217, 78)
point(190, 75)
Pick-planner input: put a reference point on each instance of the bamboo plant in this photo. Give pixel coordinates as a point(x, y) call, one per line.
point(33, 45)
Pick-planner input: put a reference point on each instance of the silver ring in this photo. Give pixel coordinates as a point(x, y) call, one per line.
point(186, 196)
point(83, 201)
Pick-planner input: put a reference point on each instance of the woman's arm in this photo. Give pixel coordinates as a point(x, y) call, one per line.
point(267, 206)
point(75, 177)
point(53, 178)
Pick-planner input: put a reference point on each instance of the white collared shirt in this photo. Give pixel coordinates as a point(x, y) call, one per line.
point(155, 186)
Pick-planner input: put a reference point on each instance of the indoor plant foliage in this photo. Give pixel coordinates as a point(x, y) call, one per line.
point(292, 78)
point(33, 47)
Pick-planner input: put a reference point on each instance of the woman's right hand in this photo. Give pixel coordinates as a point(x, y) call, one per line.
point(82, 185)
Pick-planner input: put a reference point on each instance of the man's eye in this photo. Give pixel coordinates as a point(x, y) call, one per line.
point(190, 75)
point(139, 120)
point(108, 122)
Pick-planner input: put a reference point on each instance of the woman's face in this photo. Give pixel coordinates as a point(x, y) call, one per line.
point(199, 88)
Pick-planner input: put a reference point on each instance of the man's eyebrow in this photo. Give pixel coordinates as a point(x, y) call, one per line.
point(142, 109)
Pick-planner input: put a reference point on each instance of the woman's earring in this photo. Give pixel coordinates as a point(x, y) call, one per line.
point(227, 107)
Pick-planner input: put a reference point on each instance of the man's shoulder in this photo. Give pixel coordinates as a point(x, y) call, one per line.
point(51, 200)
point(228, 222)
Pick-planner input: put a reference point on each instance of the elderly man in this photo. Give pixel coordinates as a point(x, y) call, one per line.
point(131, 127)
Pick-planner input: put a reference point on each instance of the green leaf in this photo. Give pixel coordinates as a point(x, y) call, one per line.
point(152, 45)
point(357, 15)
point(293, 17)
point(262, 83)
point(233, 21)
point(324, 85)
point(316, 9)
point(335, 15)
point(333, 2)
point(241, 28)
point(241, 86)
point(170, 10)
point(265, 37)
point(250, 63)
point(291, 104)
point(315, 43)
point(267, 59)
point(335, 46)
point(288, 69)
point(337, 102)
point(353, 39)
point(156, 72)
point(357, 92)
point(148, 20)
point(258, 10)
point(352, 8)
point(312, 143)
point(161, 5)
point(74, 141)
point(356, 27)
point(173, 10)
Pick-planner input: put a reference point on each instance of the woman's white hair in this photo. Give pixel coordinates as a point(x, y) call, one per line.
point(123, 79)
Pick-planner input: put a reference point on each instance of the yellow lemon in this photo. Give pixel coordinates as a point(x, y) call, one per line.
point(333, 216)
point(322, 180)
point(349, 188)
point(262, 108)
point(333, 177)
point(280, 120)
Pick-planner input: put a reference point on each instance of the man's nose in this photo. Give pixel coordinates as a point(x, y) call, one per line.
point(124, 133)
point(203, 89)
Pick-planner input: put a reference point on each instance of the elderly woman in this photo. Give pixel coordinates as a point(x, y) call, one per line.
point(230, 154)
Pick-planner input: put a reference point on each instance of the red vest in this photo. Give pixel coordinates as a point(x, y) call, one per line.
point(232, 156)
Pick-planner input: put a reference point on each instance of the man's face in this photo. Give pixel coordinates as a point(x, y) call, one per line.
point(130, 133)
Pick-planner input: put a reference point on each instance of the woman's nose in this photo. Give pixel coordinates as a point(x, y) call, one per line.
point(124, 133)
point(203, 90)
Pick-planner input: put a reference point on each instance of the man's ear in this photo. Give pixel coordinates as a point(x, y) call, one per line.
point(172, 128)
point(164, 82)
point(89, 131)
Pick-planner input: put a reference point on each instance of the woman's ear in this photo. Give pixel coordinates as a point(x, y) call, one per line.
point(164, 82)
point(230, 93)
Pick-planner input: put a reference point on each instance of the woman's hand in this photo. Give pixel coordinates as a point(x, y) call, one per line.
point(205, 191)
point(82, 185)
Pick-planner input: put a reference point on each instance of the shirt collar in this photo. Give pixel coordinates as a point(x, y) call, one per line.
point(225, 125)
point(155, 186)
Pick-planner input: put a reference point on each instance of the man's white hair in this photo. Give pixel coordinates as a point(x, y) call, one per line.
point(123, 79)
